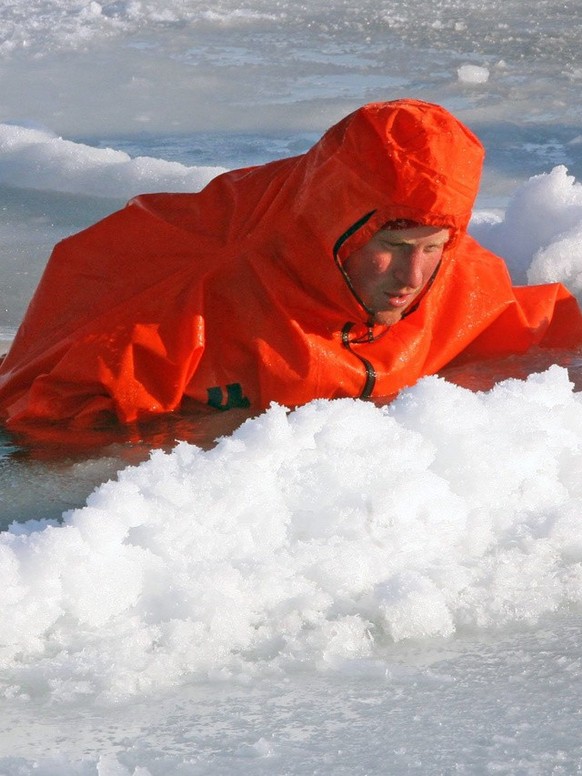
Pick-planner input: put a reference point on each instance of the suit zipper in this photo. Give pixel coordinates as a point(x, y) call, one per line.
point(368, 366)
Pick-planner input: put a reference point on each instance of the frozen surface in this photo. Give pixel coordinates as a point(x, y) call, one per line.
point(346, 589)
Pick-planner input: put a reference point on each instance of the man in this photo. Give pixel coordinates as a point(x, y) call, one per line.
point(346, 271)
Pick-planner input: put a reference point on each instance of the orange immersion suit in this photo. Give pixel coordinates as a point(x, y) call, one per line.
point(235, 296)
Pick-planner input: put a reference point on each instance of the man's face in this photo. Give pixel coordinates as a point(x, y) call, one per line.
point(390, 271)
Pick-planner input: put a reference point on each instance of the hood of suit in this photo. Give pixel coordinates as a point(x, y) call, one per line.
point(404, 159)
point(297, 219)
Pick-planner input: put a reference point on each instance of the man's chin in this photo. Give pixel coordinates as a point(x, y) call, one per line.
point(388, 317)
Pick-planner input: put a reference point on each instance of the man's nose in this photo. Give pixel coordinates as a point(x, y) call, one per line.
point(409, 269)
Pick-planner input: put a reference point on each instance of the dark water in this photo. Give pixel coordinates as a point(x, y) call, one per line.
point(54, 469)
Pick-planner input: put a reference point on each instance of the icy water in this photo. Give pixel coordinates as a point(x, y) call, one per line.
point(345, 589)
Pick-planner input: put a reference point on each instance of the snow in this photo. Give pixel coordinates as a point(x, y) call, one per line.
point(289, 546)
point(473, 74)
point(36, 159)
point(542, 220)
point(341, 589)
